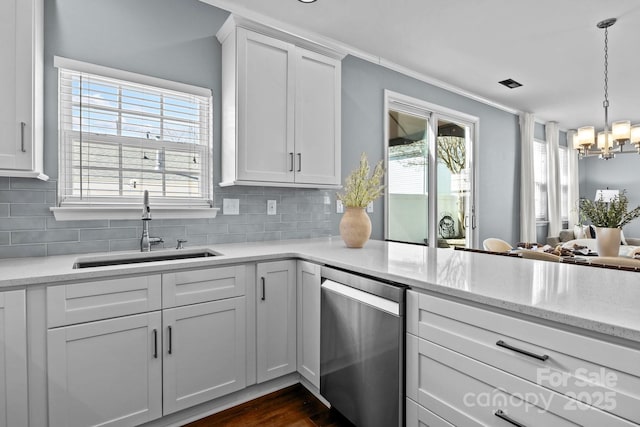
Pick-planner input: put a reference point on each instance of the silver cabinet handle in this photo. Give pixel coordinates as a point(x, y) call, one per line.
point(22, 125)
point(264, 291)
point(169, 351)
point(500, 414)
point(290, 162)
point(299, 162)
point(503, 344)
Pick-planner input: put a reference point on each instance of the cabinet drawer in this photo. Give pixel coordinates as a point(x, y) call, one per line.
point(89, 301)
point(195, 286)
point(581, 367)
point(466, 392)
point(418, 416)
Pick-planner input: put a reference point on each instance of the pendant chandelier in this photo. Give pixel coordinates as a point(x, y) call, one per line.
point(610, 141)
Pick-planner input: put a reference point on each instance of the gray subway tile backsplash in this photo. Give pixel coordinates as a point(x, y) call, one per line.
point(77, 247)
point(23, 251)
point(22, 223)
point(43, 236)
point(28, 228)
point(21, 196)
point(30, 209)
point(108, 233)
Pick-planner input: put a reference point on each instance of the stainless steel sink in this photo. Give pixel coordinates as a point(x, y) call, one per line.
point(135, 258)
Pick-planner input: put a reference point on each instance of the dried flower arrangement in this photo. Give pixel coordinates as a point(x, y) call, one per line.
point(360, 189)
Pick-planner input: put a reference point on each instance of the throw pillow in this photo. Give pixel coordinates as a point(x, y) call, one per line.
point(582, 232)
point(622, 239)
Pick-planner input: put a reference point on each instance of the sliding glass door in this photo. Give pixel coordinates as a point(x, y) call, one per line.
point(430, 191)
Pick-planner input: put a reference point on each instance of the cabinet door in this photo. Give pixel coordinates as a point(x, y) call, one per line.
point(276, 317)
point(106, 373)
point(16, 97)
point(204, 352)
point(308, 313)
point(13, 359)
point(265, 108)
point(317, 118)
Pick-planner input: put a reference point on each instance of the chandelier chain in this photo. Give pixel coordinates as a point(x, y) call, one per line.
point(606, 67)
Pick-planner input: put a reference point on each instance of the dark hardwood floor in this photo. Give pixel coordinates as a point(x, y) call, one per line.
point(293, 406)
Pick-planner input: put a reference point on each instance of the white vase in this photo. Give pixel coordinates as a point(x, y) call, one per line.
point(608, 241)
point(355, 227)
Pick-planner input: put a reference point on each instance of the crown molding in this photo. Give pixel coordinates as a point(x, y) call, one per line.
point(243, 12)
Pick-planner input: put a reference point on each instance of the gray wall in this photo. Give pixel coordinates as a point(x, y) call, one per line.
point(175, 40)
point(620, 173)
point(498, 152)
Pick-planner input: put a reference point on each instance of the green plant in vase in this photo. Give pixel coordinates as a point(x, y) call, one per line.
point(609, 218)
point(359, 190)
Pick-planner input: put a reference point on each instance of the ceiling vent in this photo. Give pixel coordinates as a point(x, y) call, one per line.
point(510, 83)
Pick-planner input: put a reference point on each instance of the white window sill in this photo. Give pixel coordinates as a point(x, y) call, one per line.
point(76, 213)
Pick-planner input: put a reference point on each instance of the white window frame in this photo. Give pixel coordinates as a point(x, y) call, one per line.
point(432, 113)
point(70, 208)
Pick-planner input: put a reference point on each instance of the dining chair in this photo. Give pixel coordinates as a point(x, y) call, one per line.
point(496, 245)
point(544, 256)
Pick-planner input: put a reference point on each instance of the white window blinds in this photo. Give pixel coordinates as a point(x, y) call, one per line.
point(540, 179)
point(119, 138)
point(564, 183)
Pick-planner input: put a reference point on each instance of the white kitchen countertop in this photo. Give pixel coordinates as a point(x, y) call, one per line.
point(596, 299)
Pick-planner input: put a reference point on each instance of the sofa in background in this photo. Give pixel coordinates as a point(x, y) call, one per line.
point(582, 233)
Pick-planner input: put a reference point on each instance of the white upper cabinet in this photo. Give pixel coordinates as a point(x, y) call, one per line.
point(21, 121)
point(281, 102)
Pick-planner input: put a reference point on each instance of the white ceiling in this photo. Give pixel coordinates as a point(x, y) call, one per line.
point(552, 47)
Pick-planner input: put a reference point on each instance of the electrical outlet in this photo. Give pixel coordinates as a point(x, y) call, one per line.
point(370, 207)
point(339, 206)
point(327, 199)
point(271, 207)
point(231, 206)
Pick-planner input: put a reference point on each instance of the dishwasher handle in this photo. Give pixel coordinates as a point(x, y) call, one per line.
point(375, 301)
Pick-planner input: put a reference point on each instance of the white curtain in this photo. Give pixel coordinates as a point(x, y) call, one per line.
point(527, 184)
point(553, 179)
point(573, 192)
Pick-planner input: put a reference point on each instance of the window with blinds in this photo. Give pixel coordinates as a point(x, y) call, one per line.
point(119, 138)
point(564, 183)
point(540, 179)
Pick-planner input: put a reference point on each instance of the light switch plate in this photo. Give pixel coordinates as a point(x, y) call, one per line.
point(231, 206)
point(271, 207)
point(339, 206)
point(370, 207)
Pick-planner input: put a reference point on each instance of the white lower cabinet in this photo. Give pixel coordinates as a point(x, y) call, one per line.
point(131, 369)
point(470, 366)
point(418, 416)
point(308, 314)
point(204, 352)
point(276, 319)
point(13, 359)
point(106, 373)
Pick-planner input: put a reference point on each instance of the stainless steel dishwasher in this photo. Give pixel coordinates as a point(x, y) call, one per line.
point(362, 347)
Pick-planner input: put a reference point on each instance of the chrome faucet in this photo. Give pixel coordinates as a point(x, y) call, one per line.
point(145, 240)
